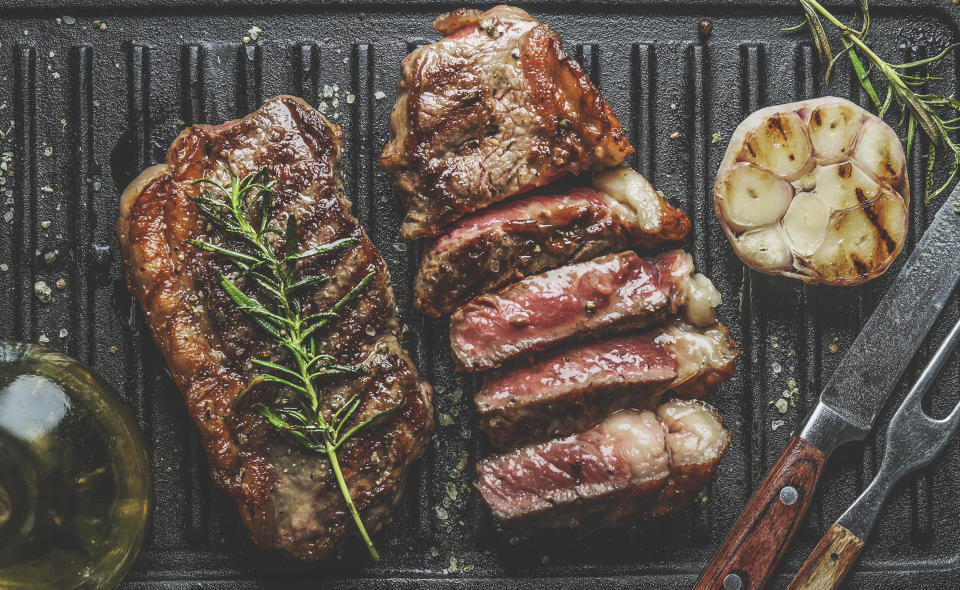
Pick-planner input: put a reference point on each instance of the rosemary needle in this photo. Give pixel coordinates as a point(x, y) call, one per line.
point(938, 116)
point(282, 312)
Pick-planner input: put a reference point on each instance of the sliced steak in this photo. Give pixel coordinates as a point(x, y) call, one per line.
point(286, 496)
point(577, 387)
point(507, 242)
point(616, 292)
point(493, 110)
point(635, 463)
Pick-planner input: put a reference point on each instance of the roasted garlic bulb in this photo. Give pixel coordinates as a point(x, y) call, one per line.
point(815, 190)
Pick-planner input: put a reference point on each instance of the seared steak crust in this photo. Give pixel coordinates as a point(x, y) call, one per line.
point(493, 110)
point(286, 496)
point(507, 242)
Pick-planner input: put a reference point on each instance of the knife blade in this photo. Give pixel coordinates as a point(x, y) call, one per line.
point(847, 409)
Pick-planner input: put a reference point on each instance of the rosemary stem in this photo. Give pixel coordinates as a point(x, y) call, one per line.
point(848, 33)
point(330, 447)
point(285, 321)
point(332, 454)
point(865, 49)
point(826, 14)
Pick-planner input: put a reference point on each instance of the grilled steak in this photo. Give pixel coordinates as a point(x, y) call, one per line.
point(577, 387)
point(615, 292)
point(507, 242)
point(493, 110)
point(286, 496)
point(634, 463)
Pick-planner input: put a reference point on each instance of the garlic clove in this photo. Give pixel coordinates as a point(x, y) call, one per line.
point(805, 223)
point(780, 144)
point(845, 186)
point(750, 196)
point(880, 153)
point(765, 249)
point(833, 129)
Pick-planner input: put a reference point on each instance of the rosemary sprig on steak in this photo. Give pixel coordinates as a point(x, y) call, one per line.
point(283, 314)
point(937, 115)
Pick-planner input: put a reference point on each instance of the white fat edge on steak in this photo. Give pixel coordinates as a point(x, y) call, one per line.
point(640, 439)
point(700, 298)
point(694, 434)
point(678, 433)
point(632, 197)
point(695, 294)
point(696, 350)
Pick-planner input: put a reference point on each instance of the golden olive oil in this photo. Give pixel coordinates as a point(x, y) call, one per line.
point(74, 477)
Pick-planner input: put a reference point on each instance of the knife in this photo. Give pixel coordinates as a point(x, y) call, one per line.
point(914, 439)
point(848, 406)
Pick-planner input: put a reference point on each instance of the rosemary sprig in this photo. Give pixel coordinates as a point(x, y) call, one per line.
point(284, 314)
point(938, 116)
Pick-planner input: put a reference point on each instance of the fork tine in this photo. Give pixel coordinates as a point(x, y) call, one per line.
point(954, 416)
point(930, 373)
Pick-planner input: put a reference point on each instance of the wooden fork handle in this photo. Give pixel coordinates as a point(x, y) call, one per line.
point(761, 535)
point(830, 561)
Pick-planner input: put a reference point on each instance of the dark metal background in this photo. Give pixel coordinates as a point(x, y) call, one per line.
point(92, 107)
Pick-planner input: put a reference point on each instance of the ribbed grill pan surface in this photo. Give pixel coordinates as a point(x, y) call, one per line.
point(92, 103)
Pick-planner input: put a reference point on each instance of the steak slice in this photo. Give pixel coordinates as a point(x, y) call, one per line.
point(615, 292)
point(575, 388)
point(286, 496)
point(494, 109)
point(507, 242)
point(636, 463)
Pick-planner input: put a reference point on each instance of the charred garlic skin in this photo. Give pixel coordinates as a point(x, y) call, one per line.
point(815, 190)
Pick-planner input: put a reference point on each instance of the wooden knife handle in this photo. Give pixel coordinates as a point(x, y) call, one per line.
point(830, 562)
point(761, 535)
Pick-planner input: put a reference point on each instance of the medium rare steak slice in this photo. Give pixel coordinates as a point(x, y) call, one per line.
point(507, 242)
point(616, 292)
point(635, 463)
point(285, 495)
point(575, 388)
point(494, 109)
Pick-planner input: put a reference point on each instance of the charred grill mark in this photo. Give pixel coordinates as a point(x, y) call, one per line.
point(862, 269)
point(776, 123)
point(874, 218)
point(816, 117)
point(845, 170)
point(576, 469)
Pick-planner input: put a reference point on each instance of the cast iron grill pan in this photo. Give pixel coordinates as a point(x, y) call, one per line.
point(92, 107)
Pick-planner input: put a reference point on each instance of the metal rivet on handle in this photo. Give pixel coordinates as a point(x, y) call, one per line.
point(789, 495)
point(732, 582)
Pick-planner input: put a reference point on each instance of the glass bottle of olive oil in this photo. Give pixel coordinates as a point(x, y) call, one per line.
point(74, 477)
